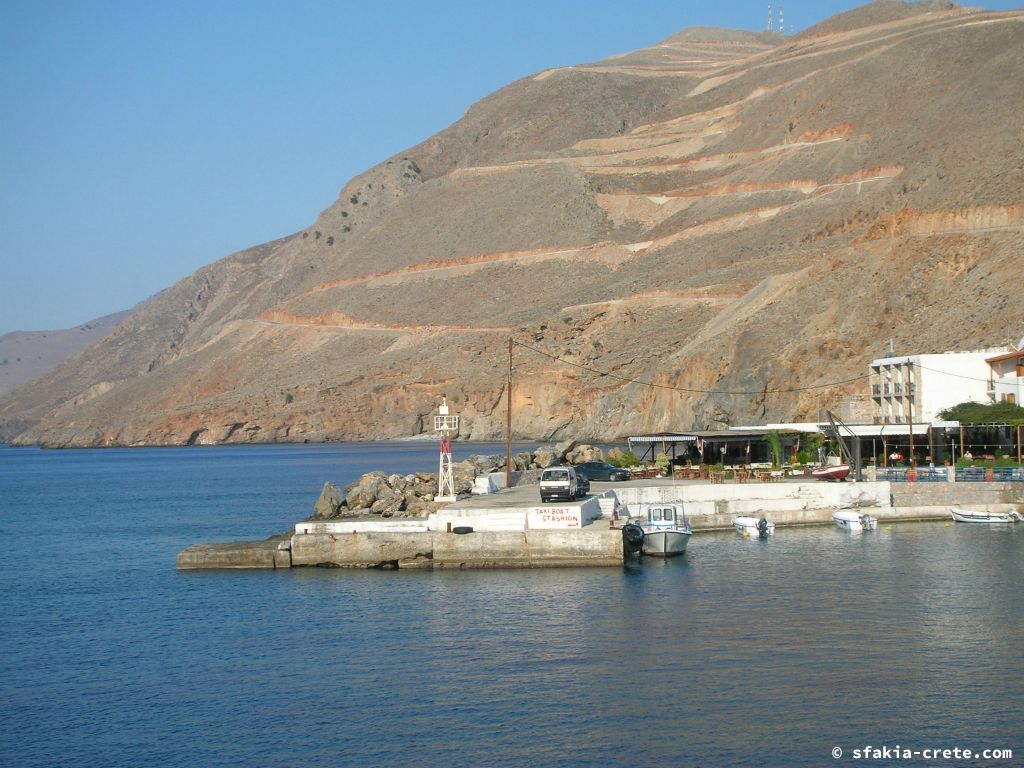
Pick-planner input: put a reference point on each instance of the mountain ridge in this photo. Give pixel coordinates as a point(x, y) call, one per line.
point(665, 232)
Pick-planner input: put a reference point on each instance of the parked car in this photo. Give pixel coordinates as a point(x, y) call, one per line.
point(601, 470)
point(558, 482)
point(582, 484)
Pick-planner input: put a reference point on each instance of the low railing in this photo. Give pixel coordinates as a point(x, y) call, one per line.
point(942, 474)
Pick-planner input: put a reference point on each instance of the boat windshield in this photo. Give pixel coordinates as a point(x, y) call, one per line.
point(663, 515)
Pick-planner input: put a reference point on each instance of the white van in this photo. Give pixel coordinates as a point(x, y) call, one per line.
point(558, 482)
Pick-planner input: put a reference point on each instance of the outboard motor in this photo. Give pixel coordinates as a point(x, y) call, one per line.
point(865, 520)
point(762, 528)
point(632, 539)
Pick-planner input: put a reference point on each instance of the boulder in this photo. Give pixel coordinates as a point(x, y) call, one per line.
point(563, 448)
point(329, 504)
point(388, 505)
point(371, 486)
point(522, 461)
point(544, 458)
point(421, 508)
point(584, 453)
point(463, 473)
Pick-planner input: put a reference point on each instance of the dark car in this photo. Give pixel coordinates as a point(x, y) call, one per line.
point(582, 484)
point(601, 470)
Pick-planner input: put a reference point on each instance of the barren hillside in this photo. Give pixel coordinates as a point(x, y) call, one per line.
point(724, 214)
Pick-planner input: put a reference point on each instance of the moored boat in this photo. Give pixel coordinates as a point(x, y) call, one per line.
point(976, 516)
point(666, 529)
point(753, 527)
point(852, 521)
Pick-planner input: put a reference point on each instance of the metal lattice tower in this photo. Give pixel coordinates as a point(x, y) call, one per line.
point(447, 426)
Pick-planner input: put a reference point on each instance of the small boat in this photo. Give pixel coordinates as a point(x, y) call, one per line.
point(831, 471)
point(974, 516)
point(851, 521)
point(754, 528)
point(666, 529)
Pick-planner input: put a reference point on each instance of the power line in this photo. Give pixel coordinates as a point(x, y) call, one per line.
point(692, 390)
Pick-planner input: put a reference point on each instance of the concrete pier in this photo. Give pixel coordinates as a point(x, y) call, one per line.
point(513, 529)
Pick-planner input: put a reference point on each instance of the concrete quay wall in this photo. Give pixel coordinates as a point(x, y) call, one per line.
point(596, 545)
point(786, 502)
point(269, 553)
point(929, 500)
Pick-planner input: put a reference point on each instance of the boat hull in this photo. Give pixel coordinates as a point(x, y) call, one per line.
point(748, 526)
point(851, 521)
point(832, 472)
point(974, 516)
point(668, 543)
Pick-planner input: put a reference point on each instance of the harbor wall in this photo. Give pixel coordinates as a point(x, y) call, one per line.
point(924, 501)
point(594, 545)
point(797, 502)
point(269, 554)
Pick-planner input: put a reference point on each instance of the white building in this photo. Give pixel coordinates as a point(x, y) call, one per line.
point(917, 387)
point(1006, 377)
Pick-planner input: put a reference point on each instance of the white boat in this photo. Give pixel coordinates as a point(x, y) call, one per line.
point(666, 529)
point(753, 527)
point(975, 516)
point(851, 521)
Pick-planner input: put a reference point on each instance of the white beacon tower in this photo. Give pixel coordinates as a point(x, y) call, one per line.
point(446, 426)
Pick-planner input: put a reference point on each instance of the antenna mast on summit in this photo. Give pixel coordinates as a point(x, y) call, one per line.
point(769, 17)
point(782, 28)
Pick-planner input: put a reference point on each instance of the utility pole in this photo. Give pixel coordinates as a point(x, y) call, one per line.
point(910, 411)
point(508, 419)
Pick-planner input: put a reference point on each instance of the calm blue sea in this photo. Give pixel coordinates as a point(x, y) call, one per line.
point(743, 653)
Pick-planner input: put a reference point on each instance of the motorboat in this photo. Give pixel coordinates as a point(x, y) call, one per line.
point(753, 527)
point(852, 521)
point(831, 471)
point(975, 516)
point(666, 529)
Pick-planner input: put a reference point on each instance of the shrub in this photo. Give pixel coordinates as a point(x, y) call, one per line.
point(623, 459)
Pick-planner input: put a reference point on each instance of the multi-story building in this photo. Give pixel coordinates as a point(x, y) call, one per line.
point(1006, 376)
point(916, 387)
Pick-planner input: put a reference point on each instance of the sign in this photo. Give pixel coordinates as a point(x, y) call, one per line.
point(554, 517)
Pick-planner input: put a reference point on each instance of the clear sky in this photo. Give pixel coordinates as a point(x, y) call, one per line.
point(142, 140)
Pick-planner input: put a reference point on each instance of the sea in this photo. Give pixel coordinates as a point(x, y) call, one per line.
point(810, 649)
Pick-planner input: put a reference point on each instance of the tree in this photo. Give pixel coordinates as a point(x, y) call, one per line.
point(774, 440)
point(981, 413)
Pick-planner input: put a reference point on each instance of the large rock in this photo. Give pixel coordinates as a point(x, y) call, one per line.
point(388, 505)
point(463, 474)
point(544, 458)
point(584, 453)
point(563, 448)
point(371, 486)
point(329, 504)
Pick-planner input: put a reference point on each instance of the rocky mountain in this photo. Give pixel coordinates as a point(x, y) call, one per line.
point(722, 228)
point(27, 355)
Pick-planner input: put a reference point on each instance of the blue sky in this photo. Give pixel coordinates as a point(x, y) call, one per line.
point(142, 140)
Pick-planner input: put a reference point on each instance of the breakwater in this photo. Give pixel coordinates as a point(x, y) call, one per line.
point(511, 529)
